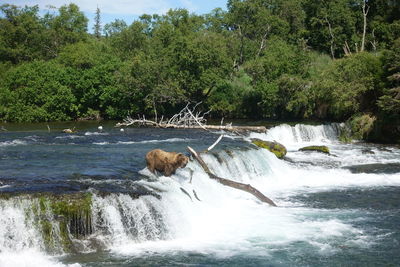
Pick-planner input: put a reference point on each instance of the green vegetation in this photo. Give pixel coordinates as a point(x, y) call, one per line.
point(275, 59)
point(322, 149)
point(278, 149)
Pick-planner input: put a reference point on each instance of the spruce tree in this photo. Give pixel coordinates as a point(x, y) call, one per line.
point(97, 25)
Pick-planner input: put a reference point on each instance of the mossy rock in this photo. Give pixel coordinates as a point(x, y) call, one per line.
point(322, 149)
point(278, 149)
point(73, 215)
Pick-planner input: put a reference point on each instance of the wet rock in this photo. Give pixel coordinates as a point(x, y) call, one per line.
point(384, 149)
point(367, 151)
point(322, 149)
point(387, 168)
point(278, 149)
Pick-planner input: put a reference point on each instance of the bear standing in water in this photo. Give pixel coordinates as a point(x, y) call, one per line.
point(165, 162)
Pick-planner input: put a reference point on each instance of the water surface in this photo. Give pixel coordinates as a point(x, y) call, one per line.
point(341, 209)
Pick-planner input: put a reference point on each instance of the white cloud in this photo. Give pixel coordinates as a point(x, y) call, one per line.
point(131, 7)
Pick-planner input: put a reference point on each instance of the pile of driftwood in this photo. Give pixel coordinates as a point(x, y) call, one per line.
point(188, 118)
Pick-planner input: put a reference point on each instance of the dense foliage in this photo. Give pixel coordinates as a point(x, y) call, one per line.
point(276, 59)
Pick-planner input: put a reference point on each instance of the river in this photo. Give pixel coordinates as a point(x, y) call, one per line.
point(341, 209)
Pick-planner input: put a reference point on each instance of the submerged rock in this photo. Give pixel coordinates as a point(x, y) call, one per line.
point(322, 149)
point(387, 168)
point(367, 151)
point(278, 149)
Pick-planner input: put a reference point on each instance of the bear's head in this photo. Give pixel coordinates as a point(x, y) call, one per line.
point(182, 160)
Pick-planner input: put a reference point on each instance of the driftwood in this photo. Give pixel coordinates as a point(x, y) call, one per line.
point(244, 187)
point(188, 118)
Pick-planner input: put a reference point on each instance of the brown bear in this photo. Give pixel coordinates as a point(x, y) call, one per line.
point(165, 162)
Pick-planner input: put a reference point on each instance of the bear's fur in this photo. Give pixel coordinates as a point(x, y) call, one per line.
point(165, 162)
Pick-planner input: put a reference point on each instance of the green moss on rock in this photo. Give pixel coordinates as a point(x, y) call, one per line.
point(62, 218)
point(278, 149)
point(322, 149)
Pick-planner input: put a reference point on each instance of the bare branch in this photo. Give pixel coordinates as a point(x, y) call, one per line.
point(215, 143)
point(188, 118)
point(365, 10)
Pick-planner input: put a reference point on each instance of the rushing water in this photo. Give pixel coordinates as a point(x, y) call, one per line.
point(341, 209)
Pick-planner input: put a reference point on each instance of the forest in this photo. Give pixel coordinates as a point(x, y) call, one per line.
point(336, 60)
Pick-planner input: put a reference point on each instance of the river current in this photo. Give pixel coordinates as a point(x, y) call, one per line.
point(341, 209)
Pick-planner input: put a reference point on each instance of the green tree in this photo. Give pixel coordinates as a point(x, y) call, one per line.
point(91, 68)
point(389, 102)
point(21, 34)
point(97, 24)
point(350, 85)
point(254, 22)
point(279, 60)
point(114, 27)
point(37, 91)
point(331, 25)
point(68, 27)
point(129, 40)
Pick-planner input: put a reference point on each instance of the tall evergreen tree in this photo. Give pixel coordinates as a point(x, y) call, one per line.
point(97, 24)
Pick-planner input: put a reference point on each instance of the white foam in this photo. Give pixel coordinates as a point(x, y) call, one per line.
point(227, 222)
point(95, 133)
point(69, 136)
point(101, 143)
point(170, 140)
point(30, 258)
point(15, 142)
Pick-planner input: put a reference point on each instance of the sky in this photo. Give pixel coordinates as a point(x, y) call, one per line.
point(128, 10)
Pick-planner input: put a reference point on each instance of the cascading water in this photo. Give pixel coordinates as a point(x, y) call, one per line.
point(189, 218)
point(301, 133)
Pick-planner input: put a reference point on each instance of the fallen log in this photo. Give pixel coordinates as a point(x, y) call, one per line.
point(244, 187)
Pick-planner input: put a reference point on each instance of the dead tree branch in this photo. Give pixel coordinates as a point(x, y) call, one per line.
point(188, 118)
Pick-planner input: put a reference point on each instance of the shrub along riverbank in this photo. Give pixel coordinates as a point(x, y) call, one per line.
point(279, 59)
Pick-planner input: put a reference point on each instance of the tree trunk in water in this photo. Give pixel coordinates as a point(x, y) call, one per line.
point(244, 187)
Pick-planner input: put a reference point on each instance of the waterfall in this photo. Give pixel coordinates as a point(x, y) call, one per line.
point(83, 222)
point(119, 218)
point(301, 133)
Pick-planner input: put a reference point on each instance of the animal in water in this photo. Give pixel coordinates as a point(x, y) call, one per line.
point(122, 130)
point(100, 128)
point(165, 162)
